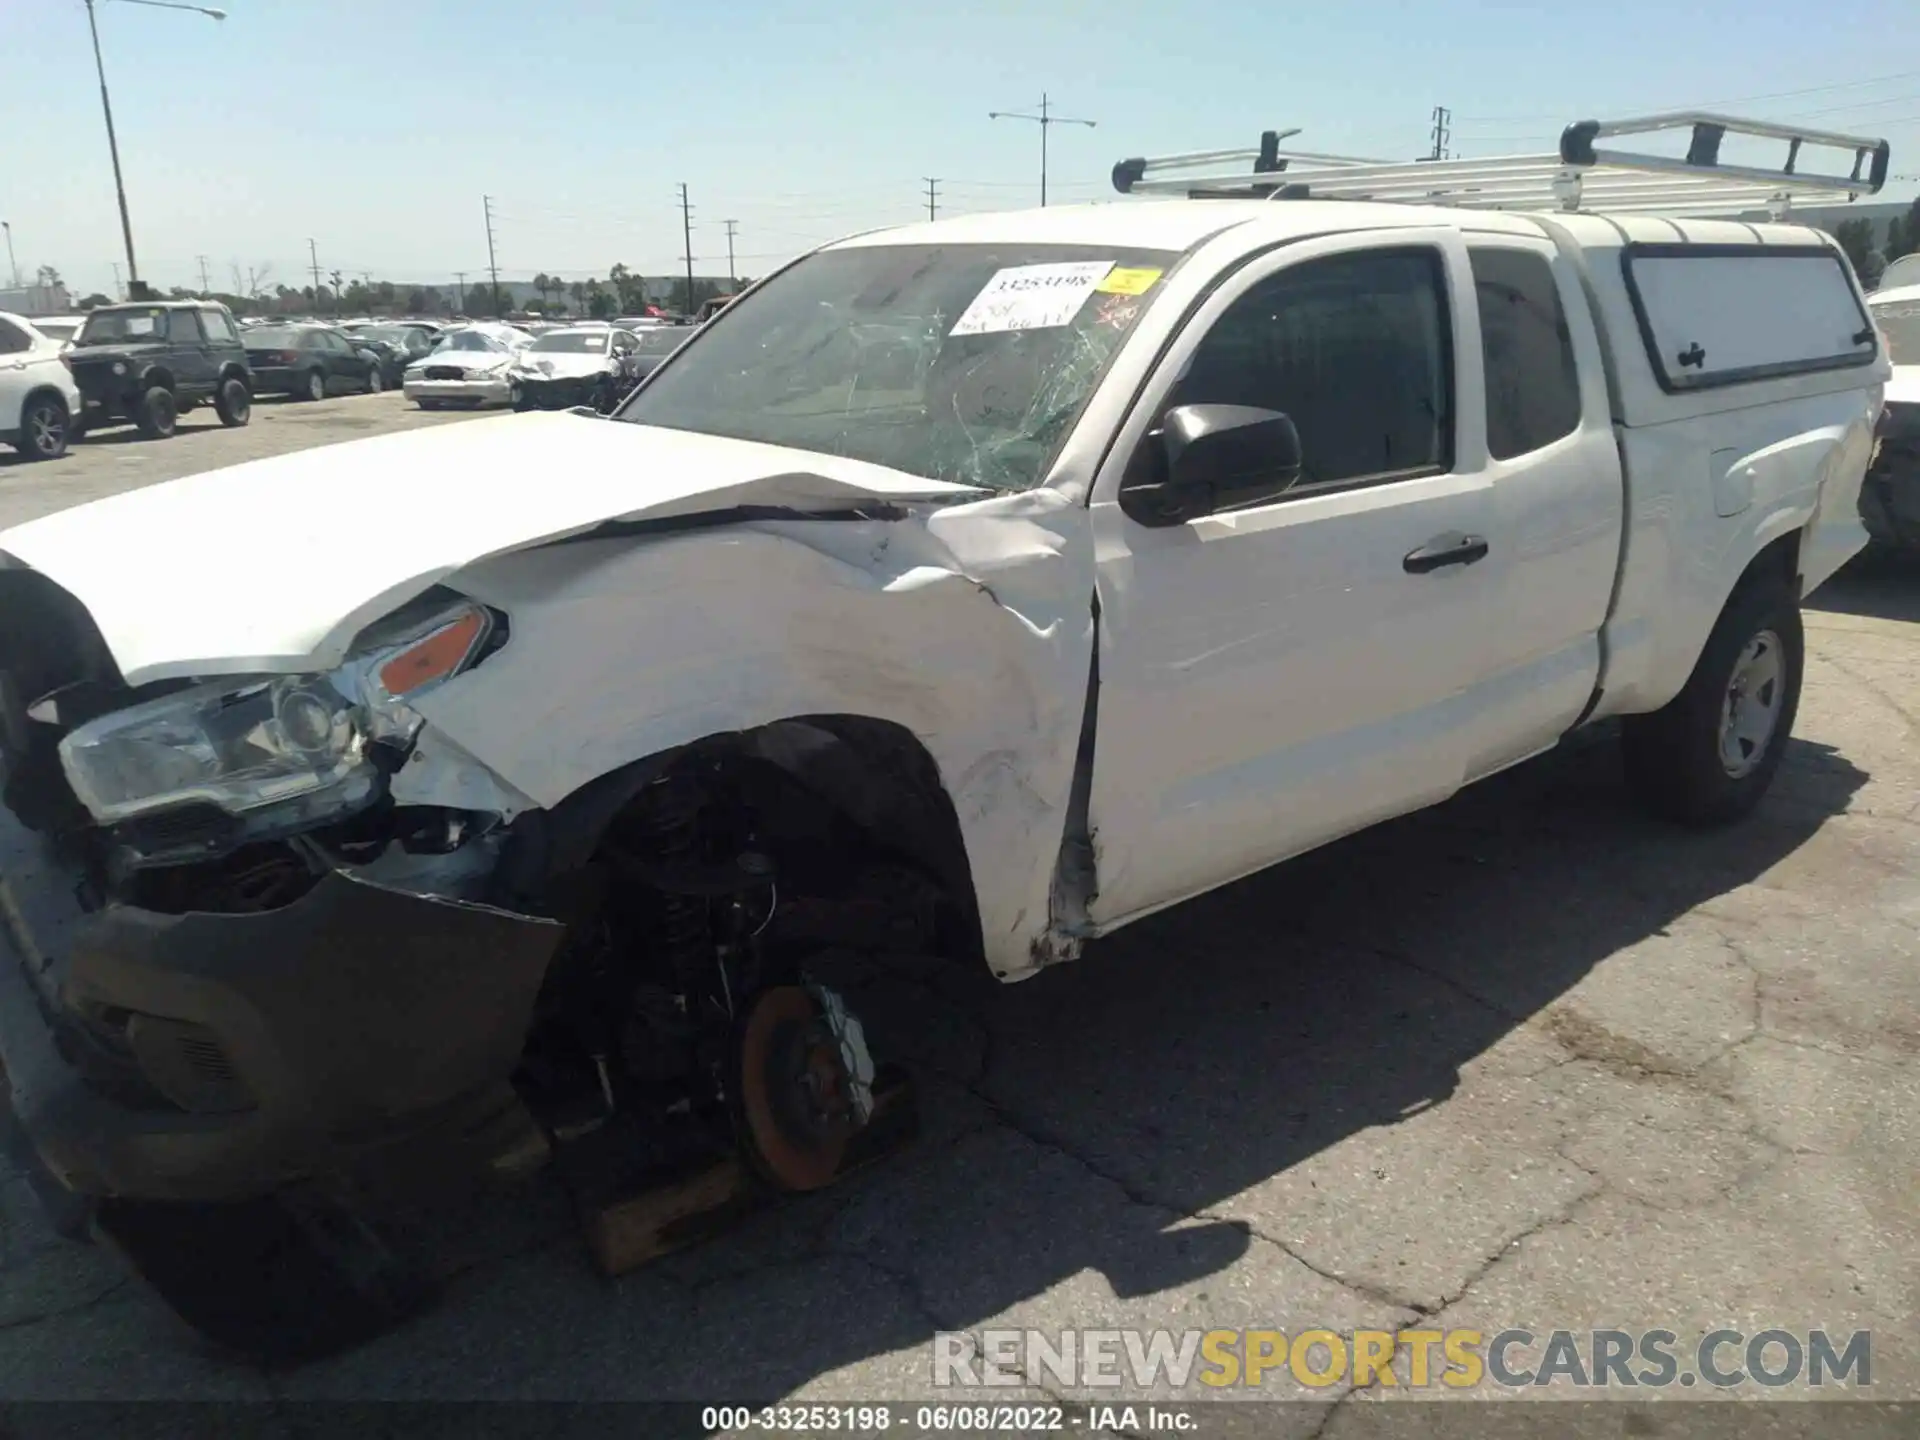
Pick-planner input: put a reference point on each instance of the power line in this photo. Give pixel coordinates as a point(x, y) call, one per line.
point(686, 231)
point(1046, 120)
point(1710, 104)
point(486, 206)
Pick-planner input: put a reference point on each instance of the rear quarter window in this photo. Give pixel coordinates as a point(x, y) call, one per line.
point(1714, 315)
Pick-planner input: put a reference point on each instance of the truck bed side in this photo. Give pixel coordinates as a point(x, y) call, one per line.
point(1715, 474)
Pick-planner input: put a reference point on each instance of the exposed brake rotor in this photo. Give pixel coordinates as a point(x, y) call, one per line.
point(804, 1085)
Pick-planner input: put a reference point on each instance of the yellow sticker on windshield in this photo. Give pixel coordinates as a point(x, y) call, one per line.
point(1121, 281)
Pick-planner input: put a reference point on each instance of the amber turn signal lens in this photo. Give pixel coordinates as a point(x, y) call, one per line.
point(435, 657)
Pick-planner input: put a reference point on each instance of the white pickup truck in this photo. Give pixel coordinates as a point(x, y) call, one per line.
point(973, 588)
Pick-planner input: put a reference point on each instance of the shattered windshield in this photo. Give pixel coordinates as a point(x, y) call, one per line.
point(966, 363)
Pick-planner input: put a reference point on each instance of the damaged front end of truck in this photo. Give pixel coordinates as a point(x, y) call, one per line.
point(291, 959)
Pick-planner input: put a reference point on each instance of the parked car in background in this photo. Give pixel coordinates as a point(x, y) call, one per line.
point(711, 308)
point(59, 328)
point(654, 345)
point(1900, 274)
point(397, 347)
point(38, 399)
point(466, 368)
point(1890, 496)
point(585, 365)
point(151, 362)
point(309, 362)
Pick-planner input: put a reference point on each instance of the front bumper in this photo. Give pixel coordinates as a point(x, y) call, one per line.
point(561, 392)
point(204, 1057)
point(491, 390)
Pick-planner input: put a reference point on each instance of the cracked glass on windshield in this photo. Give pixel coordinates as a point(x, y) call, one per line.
point(966, 363)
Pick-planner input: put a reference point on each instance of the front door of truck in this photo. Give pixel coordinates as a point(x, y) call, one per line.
point(1274, 677)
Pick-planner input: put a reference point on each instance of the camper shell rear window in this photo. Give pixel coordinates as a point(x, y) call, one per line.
point(1715, 315)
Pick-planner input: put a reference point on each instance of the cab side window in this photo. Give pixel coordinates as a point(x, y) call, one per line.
point(14, 340)
point(183, 328)
point(1533, 388)
point(1356, 349)
point(219, 328)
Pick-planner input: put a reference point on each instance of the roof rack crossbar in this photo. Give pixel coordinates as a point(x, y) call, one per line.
point(1580, 176)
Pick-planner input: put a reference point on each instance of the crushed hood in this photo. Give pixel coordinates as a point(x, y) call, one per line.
point(278, 564)
point(563, 365)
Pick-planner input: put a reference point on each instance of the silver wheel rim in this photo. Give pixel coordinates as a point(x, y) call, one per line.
point(46, 430)
point(1750, 710)
point(317, 387)
point(238, 401)
point(374, 382)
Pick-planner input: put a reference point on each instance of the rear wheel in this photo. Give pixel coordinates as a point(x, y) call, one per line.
point(44, 428)
point(1710, 754)
point(156, 413)
point(233, 403)
point(314, 387)
point(376, 382)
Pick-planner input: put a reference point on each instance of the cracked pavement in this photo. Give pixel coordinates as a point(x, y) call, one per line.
point(1528, 1059)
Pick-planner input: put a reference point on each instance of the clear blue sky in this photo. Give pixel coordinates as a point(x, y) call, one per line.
point(375, 126)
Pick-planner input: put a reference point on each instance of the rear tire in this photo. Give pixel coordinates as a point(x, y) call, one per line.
point(45, 428)
point(233, 403)
point(314, 387)
point(156, 414)
point(1708, 757)
point(376, 382)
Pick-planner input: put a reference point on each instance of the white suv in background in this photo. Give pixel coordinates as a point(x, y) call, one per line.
point(38, 398)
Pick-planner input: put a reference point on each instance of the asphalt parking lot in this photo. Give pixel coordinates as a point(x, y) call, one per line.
point(1524, 1060)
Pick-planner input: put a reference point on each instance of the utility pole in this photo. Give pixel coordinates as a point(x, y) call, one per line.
point(459, 291)
point(733, 281)
point(686, 231)
point(933, 196)
point(12, 264)
point(1442, 131)
point(486, 204)
point(119, 292)
point(206, 285)
point(1046, 120)
point(313, 255)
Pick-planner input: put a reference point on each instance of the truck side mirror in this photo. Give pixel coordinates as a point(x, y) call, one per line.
point(1215, 458)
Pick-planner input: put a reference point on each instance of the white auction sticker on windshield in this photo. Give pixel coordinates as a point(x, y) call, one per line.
point(1031, 297)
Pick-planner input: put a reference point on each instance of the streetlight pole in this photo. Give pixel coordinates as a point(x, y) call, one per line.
point(12, 264)
point(1046, 120)
point(134, 287)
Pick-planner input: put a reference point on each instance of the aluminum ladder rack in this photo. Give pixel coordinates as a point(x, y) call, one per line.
point(1580, 176)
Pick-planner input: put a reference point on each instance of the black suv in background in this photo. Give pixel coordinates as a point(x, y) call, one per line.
point(150, 363)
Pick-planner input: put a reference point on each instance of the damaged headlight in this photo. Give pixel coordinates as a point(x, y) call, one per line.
point(301, 742)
